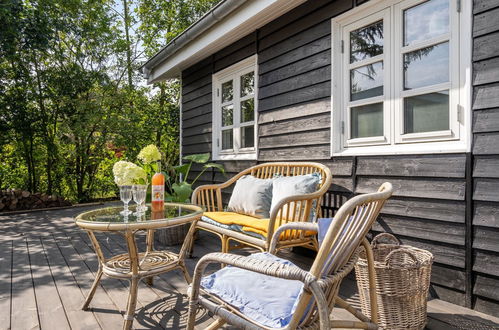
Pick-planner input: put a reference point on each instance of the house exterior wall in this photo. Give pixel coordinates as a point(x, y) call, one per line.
point(446, 203)
point(486, 154)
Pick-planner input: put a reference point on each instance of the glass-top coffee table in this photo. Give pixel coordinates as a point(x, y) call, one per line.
point(136, 265)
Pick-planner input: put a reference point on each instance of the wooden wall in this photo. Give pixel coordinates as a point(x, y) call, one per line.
point(446, 203)
point(486, 154)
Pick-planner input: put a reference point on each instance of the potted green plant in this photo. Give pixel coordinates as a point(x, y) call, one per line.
point(179, 188)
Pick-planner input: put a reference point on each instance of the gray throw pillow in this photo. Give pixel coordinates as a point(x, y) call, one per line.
point(294, 185)
point(251, 196)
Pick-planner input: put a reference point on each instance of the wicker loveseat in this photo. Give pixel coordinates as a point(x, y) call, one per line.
point(296, 208)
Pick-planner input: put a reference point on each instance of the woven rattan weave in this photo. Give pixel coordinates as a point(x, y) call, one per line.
point(402, 282)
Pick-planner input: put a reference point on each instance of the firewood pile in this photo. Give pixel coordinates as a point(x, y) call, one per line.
point(16, 200)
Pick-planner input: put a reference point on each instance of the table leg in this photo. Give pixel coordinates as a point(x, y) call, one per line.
point(134, 282)
point(150, 247)
point(132, 302)
point(98, 276)
point(187, 276)
point(188, 242)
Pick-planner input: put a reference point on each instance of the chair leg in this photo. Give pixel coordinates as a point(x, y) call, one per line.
point(132, 302)
point(373, 296)
point(225, 247)
point(225, 244)
point(191, 314)
point(98, 276)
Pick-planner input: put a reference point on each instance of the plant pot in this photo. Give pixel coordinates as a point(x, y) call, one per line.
point(172, 235)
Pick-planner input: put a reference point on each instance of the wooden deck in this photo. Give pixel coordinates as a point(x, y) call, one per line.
point(47, 266)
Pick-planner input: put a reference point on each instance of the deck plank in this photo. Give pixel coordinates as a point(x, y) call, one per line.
point(70, 293)
point(24, 313)
point(174, 302)
point(50, 309)
point(5, 282)
point(145, 296)
point(115, 289)
point(106, 311)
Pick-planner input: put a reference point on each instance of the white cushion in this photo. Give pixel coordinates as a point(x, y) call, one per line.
point(251, 196)
point(286, 186)
point(268, 300)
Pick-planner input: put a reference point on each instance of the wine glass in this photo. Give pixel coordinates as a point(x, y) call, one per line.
point(126, 197)
point(139, 197)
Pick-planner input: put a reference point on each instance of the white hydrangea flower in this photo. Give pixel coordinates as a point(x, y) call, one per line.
point(137, 173)
point(149, 154)
point(127, 173)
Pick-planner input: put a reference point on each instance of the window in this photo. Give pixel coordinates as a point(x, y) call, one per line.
point(235, 111)
point(399, 78)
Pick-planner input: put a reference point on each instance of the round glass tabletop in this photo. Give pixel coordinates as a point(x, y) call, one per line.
point(110, 218)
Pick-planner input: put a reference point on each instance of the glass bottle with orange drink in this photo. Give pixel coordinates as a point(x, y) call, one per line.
point(158, 190)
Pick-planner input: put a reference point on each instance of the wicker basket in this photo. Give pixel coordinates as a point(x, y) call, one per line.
point(172, 235)
point(402, 283)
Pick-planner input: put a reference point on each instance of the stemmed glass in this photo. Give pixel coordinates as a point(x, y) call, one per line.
point(126, 197)
point(139, 197)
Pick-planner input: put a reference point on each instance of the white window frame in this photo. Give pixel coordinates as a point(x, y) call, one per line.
point(457, 138)
point(234, 72)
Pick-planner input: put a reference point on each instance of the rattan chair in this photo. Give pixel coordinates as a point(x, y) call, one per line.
point(335, 259)
point(291, 209)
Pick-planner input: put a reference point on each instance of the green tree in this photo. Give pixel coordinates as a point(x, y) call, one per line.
point(71, 98)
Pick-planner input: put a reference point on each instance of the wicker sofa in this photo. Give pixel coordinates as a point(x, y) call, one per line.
point(297, 208)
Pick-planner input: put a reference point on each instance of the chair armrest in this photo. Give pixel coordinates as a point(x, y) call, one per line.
point(305, 226)
point(266, 267)
point(287, 208)
point(209, 196)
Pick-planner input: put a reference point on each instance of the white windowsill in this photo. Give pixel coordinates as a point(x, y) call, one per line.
point(405, 149)
point(242, 156)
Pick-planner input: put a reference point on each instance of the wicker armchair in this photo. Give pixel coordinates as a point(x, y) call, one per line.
point(291, 209)
point(335, 259)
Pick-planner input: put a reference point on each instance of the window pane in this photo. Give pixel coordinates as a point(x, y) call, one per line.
point(366, 120)
point(247, 136)
point(227, 91)
point(426, 66)
point(247, 110)
point(227, 139)
point(366, 81)
point(426, 113)
point(227, 115)
point(366, 42)
point(247, 84)
point(425, 21)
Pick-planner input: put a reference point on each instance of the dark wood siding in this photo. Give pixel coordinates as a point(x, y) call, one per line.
point(446, 203)
point(486, 155)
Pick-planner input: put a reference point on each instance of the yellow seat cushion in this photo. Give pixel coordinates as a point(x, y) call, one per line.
point(247, 223)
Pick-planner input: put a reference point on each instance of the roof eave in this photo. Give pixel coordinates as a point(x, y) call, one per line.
point(223, 25)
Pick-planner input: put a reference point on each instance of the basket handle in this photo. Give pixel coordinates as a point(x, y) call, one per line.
point(389, 257)
point(375, 240)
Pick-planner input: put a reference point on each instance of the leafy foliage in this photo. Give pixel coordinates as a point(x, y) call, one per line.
point(181, 190)
point(72, 102)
